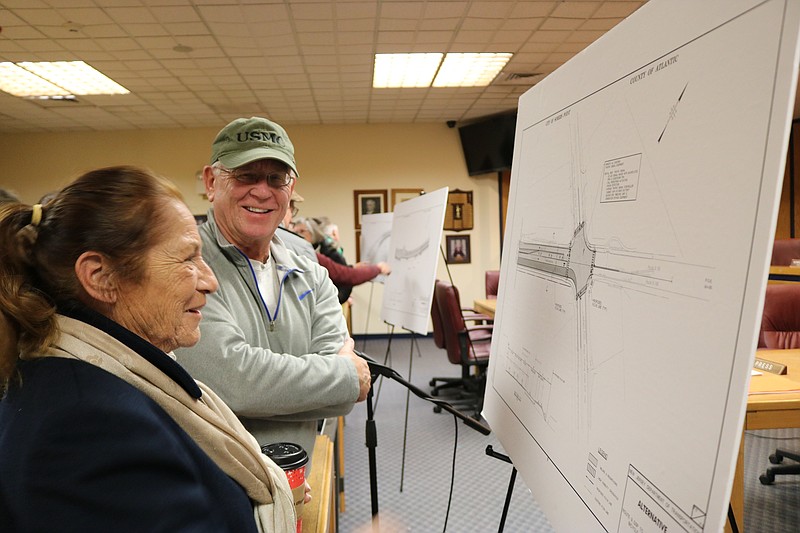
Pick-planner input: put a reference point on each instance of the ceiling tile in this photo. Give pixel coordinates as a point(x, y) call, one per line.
point(172, 14)
point(305, 61)
point(569, 9)
point(131, 15)
point(557, 23)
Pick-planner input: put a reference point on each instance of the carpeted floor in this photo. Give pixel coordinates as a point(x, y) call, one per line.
point(770, 508)
point(481, 482)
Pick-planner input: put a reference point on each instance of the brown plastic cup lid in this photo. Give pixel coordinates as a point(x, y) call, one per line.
point(287, 455)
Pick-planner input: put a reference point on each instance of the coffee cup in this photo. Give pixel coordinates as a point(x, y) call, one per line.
point(292, 458)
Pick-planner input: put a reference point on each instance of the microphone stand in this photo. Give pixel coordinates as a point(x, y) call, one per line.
point(376, 369)
point(372, 443)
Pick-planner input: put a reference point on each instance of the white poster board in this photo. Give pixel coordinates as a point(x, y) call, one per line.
point(376, 239)
point(643, 200)
point(414, 253)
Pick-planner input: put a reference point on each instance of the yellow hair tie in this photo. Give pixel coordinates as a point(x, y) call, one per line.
point(36, 215)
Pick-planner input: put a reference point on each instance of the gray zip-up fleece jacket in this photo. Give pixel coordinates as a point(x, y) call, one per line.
point(279, 382)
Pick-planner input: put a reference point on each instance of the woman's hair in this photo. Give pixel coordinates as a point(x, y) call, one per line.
point(115, 211)
point(314, 229)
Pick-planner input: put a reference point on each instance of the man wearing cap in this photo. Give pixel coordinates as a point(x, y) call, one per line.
point(274, 343)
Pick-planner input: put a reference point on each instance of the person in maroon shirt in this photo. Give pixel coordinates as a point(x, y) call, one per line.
point(344, 276)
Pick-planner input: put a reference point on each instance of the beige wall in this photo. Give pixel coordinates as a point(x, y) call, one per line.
point(332, 161)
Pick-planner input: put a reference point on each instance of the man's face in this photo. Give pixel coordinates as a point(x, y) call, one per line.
point(249, 213)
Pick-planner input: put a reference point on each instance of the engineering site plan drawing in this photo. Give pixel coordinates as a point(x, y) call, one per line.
point(413, 255)
point(643, 201)
point(376, 237)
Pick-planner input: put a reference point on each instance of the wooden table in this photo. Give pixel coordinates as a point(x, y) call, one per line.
point(784, 274)
point(773, 402)
point(487, 306)
point(319, 514)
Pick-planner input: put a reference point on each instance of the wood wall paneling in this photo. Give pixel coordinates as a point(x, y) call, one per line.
point(788, 226)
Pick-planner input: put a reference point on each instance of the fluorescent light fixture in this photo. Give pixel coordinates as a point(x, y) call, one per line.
point(51, 79)
point(405, 70)
point(457, 70)
point(470, 70)
point(19, 82)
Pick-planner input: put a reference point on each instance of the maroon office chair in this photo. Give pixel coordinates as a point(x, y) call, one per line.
point(780, 321)
point(492, 283)
point(477, 334)
point(780, 330)
point(466, 346)
point(784, 250)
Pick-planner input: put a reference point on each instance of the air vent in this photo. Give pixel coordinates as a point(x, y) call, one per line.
point(519, 78)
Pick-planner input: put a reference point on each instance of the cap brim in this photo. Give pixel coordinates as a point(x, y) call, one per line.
point(238, 159)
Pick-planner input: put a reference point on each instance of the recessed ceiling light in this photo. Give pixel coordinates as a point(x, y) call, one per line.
point(19, 82)
point(405, 70)
point(418, 70)
point(59, 78)
point(470, 70)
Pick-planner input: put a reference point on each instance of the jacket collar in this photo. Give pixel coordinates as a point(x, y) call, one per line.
point(277, 249)
point(149, 352)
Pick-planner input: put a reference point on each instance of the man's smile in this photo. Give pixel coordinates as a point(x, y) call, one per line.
point(258, 210)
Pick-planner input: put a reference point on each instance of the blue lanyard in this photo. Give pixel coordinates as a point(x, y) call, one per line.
point(271, 318)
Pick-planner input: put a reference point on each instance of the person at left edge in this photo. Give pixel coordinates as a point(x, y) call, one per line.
point(100, 429)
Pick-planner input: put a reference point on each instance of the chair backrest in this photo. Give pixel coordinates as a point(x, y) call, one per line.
point(436, 319)
point(780, 322)
point(492, 282)
point(449, 303)
point(784, 250)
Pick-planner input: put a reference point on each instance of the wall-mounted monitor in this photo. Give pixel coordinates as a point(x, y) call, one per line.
point(488, 143)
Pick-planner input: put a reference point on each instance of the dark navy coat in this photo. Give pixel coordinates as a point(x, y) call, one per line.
point(82, 450)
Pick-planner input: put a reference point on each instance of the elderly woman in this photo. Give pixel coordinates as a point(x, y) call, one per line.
point(100, 429)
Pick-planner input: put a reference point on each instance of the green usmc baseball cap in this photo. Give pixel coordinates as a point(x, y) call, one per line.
point(249, 139)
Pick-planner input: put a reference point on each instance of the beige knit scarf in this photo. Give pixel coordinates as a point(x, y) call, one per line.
point(207, 420)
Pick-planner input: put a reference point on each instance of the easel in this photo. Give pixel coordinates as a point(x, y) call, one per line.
point(369, 310)
point(376, 370)
point(491, 453)
point(387, 361)
point(408, 397)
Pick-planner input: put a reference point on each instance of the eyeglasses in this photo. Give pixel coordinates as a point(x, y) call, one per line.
point(276, 180)
point(294, 209)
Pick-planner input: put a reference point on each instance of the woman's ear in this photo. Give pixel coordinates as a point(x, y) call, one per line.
point(95, 276)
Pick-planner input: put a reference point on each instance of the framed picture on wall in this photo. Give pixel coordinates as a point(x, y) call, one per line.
point(369, 202)
point(401, 195)
point(458, 216)
point(358, 246)
point(458, 251)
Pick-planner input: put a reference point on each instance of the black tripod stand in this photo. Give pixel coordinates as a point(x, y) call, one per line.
point(377, 369)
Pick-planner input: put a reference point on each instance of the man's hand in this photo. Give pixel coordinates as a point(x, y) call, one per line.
point(362, 368)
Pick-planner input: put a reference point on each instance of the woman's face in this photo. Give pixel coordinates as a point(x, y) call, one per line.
point(164, 308)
